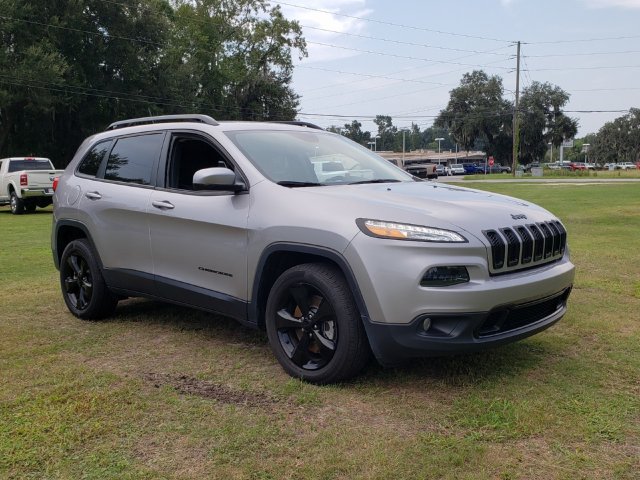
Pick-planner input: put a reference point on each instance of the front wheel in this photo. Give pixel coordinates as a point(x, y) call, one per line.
point(313, 325)
point(83, 288)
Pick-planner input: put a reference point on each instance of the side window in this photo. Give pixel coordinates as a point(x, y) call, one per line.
point(189, 154)
point(132, 159)
point(91, 162)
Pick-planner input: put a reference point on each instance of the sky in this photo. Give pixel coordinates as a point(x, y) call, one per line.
point(401, 58)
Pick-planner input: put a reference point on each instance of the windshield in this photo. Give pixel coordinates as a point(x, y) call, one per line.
point(17, 165)
point(295, 158)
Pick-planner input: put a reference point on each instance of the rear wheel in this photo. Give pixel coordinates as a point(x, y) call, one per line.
point(83, 288)
point(16, 204)
point(313, 325)
point(30, 206)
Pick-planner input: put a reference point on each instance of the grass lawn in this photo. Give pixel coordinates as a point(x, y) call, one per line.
point(165, 392)
point(614, 174)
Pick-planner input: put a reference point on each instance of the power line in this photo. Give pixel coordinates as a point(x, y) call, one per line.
point(549, 55)
point(97, 34)
point(400, 42)
point(392, 73)
point(602, 67)
point(406, 57)
point(580, 40)
point(392, 24)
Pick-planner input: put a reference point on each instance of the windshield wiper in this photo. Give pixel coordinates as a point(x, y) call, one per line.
point(377, 180)
point(293, 183)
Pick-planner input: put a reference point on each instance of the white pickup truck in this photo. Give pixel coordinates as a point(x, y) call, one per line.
point(26, 183)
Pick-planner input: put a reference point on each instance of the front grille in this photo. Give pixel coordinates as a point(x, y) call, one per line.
point(512, 318)
point(525, 246)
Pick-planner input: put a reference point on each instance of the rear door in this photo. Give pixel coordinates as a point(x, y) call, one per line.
point(198, 238)
point(115, 204)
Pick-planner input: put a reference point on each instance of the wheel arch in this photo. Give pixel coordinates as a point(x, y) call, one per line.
point(66, 231)
point(279, 257)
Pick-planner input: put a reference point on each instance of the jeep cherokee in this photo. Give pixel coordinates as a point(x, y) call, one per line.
point(335, 252)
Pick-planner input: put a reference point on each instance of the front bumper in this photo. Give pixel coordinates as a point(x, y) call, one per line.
point(486, 311)
point(450, 334)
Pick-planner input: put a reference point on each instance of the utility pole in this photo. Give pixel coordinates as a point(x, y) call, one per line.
point(516, 126)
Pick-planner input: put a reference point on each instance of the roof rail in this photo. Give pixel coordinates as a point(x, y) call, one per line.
point(163, 119)
point(299, 124)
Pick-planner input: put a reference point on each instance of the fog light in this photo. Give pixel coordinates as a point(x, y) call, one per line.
point(426, 324)
point(444, 276)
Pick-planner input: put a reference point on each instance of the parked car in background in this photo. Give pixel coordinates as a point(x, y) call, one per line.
point(456, 169)
point(422, 170)
point(625, 166)
point(573, 166)
point(496, 168)
point(527, 168)
point(440, 170)
point(26, 183)
point(472, 168)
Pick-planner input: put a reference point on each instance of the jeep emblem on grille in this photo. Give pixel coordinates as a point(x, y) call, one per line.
point(519, 216)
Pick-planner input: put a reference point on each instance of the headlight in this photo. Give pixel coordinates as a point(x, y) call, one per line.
point(403, 231)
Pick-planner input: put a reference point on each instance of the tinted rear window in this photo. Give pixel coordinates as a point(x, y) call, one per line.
point(133, 158)
point(17, 165)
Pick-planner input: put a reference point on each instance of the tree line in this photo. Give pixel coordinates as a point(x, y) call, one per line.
point(69, 68)
point(479, 117)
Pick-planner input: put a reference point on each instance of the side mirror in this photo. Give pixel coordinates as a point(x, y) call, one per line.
point(218, 179)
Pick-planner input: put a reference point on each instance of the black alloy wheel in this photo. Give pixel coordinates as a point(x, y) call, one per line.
point(78, 284)
point(307, 327)
point(314, 326)
point(83, 288)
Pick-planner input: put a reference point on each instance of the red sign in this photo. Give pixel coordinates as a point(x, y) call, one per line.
point(491, 161)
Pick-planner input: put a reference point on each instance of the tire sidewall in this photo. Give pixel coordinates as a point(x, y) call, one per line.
point(82, 249)
point(346, 318)
point(16, 204)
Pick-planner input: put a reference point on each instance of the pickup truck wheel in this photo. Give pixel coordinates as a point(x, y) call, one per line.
point(16, 204)
point(83, 288)
point(29, 206)
point(313, 325)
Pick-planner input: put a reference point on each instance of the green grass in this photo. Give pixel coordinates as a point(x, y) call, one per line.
point(107, 399)
point(578, 174)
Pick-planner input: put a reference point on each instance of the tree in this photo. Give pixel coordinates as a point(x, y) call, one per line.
point(542, 120)
point(233, 58)
point(386, 132)
point(477, 111)
point(354, 131)
point(619, 140)
point(68, 69)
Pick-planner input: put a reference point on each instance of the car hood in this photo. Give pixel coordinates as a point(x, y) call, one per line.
point(431, 204)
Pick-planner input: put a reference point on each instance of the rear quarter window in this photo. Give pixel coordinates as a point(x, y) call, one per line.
point(91, 162)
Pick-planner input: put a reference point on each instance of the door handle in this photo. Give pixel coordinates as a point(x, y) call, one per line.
point(163, 205)
point(93, 195)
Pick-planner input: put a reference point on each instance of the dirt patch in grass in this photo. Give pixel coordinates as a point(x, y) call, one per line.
point(213, 391)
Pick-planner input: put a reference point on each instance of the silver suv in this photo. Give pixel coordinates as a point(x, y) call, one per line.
point(337, 253)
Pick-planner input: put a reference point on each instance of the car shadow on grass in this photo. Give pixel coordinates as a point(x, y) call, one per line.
point(457, 371)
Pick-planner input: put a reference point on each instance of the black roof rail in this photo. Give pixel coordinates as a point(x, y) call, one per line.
point(163, 119)
point(298, 123)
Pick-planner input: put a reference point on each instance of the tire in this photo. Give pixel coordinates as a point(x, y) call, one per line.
point(29, 206)
point(83, 288)
point(314, 326)
point(16, 204)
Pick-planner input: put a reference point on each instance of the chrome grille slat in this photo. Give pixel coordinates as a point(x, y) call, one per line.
point(522, 247)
